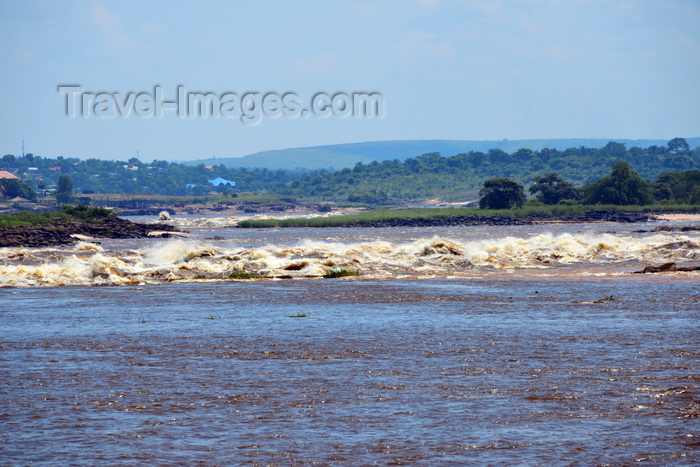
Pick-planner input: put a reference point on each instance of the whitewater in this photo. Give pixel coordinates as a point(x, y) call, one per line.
point(218, 249)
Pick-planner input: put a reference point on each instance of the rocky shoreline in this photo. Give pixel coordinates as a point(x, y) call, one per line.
point(69, 232)
point(588, 217)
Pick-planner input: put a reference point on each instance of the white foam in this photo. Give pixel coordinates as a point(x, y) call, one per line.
point(175, 259)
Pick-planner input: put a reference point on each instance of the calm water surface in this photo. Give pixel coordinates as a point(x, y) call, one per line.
point(434, 371)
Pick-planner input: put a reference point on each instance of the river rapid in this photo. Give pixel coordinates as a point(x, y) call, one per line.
point(524, 345)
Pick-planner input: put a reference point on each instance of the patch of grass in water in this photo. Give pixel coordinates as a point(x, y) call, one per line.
point(388, 215)
point(606, 299)
point(341, 272)
point(302, 314)
point(243, 275)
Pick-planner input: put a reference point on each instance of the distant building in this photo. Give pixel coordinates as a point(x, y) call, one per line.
point(7, 175)
point(218, 181)
point(19, 199)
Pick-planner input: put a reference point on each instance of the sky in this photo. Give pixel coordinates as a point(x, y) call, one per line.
point(460, 69)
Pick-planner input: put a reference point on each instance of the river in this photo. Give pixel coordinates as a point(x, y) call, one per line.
point(525, 345)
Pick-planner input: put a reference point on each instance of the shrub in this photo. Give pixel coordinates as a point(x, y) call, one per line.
point(88, 213)
point(340, 272)
point(501, 193)
point(243, 275)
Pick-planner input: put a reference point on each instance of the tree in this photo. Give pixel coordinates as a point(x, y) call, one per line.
point(498, 156)
point(551, 189)
point(12, 188)
point(614, 150)
point(623, 186)
point(64, 192)
point(678, 146)
point(676, 186)
point(695, 195)
point(8, 160)
point(501, 193)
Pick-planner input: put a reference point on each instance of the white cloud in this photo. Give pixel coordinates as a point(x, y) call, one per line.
point(117, 40)
point(105, 20)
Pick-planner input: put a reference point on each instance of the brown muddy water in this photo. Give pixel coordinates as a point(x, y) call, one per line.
point(455, 347)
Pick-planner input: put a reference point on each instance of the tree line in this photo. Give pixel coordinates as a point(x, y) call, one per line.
point(622, 186)
point(135, 177)
point(463, 175)
point(674, 168)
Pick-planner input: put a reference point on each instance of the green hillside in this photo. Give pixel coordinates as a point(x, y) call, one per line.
point(460, 177)
point(339, 156)
point(291, 159)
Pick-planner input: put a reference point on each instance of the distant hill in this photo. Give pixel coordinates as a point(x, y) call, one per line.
point(339, 156)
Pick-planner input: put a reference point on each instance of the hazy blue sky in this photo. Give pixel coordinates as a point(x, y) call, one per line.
point(446, 70)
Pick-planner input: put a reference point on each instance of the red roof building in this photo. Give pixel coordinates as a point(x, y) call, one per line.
point(7, 175)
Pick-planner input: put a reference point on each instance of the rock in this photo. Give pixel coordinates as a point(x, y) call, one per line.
point(65, 233)
point(671, 228)
point(667, 267)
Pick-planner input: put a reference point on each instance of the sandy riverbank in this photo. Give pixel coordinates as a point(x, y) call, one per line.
point(685, 217)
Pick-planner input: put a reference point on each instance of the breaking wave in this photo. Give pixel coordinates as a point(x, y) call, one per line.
point(187, 259)
point(212, 223)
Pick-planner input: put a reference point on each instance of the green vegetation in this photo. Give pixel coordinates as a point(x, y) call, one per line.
point(501, 193)
point(301, 314)
point(376, 215)
point(137, 177)
point(340, 272)
point(678, 187)
point(337, 156)
point(64, 192)
point(389, 215)
point(12, 188)
point(87, 213)
point(551, 189)
point(460, 176)
point(622, 187)
point(67, 214)
point(457, 176)
point(243, 275)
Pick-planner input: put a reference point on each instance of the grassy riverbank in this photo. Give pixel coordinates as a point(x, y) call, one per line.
point(391, 215)
point(65, 215)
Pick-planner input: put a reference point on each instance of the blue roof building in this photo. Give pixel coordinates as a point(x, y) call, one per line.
point(218, 181)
